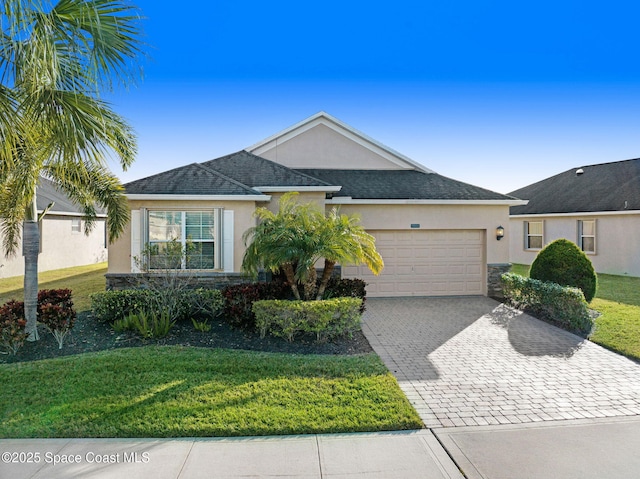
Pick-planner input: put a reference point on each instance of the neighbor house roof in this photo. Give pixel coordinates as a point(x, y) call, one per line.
point(401, 184)
point(602, 187)
point(47, 192)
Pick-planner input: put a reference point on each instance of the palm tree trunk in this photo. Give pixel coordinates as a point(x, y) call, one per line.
point(30, 251)
point(326, 276)
point(290, 275)
point(310, 284)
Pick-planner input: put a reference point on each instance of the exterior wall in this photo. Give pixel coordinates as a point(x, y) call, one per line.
point(61, 248)
point(617, 245)
point(243, 219)
point(321, 145)
point(304, 197)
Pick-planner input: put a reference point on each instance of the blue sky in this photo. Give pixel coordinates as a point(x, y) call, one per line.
point(495, 93)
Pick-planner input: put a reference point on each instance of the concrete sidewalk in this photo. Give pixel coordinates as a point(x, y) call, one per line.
point(580, 449)
point(406, 454)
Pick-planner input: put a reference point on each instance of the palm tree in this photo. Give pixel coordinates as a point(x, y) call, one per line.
point(55, 60)
point(298, 236)
point(346, 242)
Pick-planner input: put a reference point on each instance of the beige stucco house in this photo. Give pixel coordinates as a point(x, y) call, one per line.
point(63, 242)
point(596, 206)
point(437, 236)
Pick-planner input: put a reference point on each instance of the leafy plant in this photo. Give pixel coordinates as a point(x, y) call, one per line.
point(239, 299)
point(148, 325)
point(58, 319)
point(12, 326)
point(202, 326)
point(562, 262)
point(562, 305)
point(326, 318)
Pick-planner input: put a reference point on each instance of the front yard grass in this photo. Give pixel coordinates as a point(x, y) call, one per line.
point(618, 302)
point(172, 391)
point(82, 280)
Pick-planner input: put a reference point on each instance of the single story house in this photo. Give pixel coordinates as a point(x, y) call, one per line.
point(63, 243)
point(595, 206)
point(437, 236)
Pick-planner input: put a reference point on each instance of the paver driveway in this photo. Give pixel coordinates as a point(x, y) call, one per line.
point(472, 361)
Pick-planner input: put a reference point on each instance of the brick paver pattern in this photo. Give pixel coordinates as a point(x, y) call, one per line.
point(473, 361)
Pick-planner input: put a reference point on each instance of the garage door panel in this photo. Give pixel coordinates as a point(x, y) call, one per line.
point(426, 262)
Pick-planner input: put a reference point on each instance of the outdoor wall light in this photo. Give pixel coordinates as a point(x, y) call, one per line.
point(499, 233)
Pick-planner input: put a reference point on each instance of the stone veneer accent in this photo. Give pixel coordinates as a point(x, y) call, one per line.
point(494, 284)
point(200, 280)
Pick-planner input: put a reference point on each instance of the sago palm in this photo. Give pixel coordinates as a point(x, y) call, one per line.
point(55, 60)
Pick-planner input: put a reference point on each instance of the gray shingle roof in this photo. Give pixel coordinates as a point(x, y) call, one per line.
point(253, 170)
point(401, 184)
point(47, 192)
point(240, 172)
point(602, 187)
point(193, 179)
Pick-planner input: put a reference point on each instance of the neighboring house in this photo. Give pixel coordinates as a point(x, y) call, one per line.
point(437, 236)
point(62, 240)
point(597, 207)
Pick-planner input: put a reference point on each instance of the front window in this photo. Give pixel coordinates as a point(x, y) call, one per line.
point(587, 235)
point(181, 240)
point(533, 234)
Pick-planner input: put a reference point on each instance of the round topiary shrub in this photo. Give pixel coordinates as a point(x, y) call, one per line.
point(562, 262)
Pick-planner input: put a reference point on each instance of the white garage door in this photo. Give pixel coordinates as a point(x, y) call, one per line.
point(426, 263)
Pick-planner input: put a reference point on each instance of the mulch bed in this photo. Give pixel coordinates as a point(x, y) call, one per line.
point(91, 335)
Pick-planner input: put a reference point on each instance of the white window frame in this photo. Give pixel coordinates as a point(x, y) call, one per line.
point(76, 226)
point(581, 235)
point(528, 236)
point(217, 234)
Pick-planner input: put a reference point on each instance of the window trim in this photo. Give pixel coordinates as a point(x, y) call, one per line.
point(218, 254)
point(581, 235)
point(528, 236)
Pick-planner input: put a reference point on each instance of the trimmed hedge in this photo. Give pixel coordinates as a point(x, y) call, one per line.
point(327, 319)
point(562, 262)
point(239, 300)
point(562, 305)
point(110, 306)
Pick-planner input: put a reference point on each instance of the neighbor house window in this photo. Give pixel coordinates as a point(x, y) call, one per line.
point(533, 234)
point(183, 240)
point(76, 225)
point(587, 235)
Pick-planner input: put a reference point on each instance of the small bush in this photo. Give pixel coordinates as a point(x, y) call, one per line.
point(326, 319)
point(562, 262)
point(346, 288)
point(55, 311)
point(109, 306)
point(562, 305)
point(239, 300)
point(12, 326)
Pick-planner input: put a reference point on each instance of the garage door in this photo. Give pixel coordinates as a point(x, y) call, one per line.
point(426, 263)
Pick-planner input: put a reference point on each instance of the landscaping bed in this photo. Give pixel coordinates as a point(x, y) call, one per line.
point(90, 335)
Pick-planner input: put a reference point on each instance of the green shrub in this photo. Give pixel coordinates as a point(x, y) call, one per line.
point(109, 306)
point(239, 299)
point(346, 288)
point(148, 325)
point(562, 262)
point(326, 319)
point(564, 306)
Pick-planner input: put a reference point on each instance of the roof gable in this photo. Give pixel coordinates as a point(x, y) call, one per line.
point(602, 187)
point(324, 140)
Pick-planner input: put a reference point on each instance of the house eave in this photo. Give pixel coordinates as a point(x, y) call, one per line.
point(575, 214)
point(351, 201)
point(300, 189)
point(169, 197)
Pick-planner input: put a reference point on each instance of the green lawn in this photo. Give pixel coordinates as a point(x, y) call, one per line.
point(204, 392)
point(618, 301)
point(82, 280)
point(186, 392)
